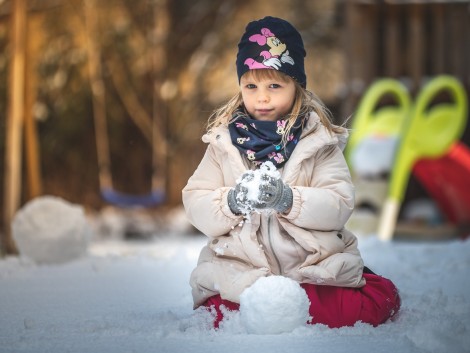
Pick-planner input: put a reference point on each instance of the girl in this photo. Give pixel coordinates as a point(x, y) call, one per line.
point(294, 227)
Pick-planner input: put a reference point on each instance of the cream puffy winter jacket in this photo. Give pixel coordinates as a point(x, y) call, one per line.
point(309, 244)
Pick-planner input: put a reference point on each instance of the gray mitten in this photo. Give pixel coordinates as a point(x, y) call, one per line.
point(237, 197)
point(274, 194)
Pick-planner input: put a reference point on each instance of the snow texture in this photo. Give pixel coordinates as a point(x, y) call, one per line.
point(374, 155)
point(133, 296)
point(252, 180)
point(274, 305)
point(51, 230)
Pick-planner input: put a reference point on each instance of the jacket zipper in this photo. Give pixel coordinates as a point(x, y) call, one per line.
point(271, 245)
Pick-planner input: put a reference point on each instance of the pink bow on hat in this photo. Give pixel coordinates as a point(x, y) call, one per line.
point(262, 38)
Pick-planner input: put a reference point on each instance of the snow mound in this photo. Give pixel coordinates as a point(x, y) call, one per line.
point(274, 305)
point(49, 230)
point(374, 155)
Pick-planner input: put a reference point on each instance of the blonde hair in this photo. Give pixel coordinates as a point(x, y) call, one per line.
point(305, 102)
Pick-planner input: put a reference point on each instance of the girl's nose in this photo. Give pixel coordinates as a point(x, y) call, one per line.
point(263, 97)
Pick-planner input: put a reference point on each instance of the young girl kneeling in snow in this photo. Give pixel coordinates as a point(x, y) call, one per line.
point(293, 226)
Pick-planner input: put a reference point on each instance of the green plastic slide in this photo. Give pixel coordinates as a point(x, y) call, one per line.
point(374, 120)
point(429, 132)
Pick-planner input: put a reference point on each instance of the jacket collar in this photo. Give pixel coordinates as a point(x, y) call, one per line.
point(314, 137)
point(219, 138)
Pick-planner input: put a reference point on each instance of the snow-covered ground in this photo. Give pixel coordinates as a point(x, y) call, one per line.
point(133, 296)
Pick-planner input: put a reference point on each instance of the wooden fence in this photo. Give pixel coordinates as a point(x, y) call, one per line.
point(408, 40)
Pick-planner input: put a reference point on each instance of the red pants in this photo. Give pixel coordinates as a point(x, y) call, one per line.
point(374, 303)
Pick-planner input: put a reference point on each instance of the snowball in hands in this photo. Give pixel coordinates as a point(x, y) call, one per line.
point(253, 184)
point(273, 305)
point(250, 184)
point(51, 230)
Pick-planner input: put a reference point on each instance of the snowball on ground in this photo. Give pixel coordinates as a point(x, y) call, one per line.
point(273, 305)
point(49, 229)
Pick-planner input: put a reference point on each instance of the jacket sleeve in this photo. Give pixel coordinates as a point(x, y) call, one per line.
point(205, 198)
point(327, 203)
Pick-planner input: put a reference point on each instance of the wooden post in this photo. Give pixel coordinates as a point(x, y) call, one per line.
point(354, 46)
point(15, 116)
point(458, 40)
point(361, 49)
point(392, 42)
point(416, 47)
point(438, 39)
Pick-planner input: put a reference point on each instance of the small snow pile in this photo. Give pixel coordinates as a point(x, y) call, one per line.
point(51, 230)
point(252, 180)
point(274, 305)
point(374, 155)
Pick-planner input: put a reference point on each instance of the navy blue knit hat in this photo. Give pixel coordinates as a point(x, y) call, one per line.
point(272, 43)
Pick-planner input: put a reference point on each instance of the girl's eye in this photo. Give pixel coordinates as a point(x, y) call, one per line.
point(250, 86)
point(274, 85)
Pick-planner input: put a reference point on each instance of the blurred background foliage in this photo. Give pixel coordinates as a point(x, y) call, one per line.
point(173, 62)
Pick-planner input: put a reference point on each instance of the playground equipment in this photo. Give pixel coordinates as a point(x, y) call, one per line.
point(428, 137)
point(428, 146)
point(446, 180)
point(385, 121)
point(379, 118)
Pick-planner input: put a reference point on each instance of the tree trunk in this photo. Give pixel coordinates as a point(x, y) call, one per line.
point(16, 109)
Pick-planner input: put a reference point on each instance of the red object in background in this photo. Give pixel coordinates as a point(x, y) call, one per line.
point(374, 303)
point(447, 180)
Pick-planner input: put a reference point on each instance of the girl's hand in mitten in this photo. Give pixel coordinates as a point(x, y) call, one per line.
point(237, 197)
point(274, 194)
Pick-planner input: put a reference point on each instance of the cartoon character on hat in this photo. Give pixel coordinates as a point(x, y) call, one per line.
point(272, 58)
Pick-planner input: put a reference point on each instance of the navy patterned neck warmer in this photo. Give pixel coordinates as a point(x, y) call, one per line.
point(261, 141)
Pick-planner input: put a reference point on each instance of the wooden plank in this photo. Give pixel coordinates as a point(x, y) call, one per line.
point(369, 35)
point(353, 48)
point(438, 39)
point(458, 40)
point(392, 41)
point(361, 51)
point(416, 47)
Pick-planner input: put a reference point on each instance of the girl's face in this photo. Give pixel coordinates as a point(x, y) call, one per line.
point(267, 98)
